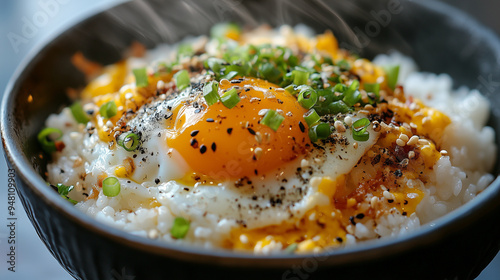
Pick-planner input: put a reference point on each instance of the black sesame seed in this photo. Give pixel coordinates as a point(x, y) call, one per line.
point(214, 147)
point(340, 240)
point(247, 89)
point(157, 181)
point(302, 127)
point(256, 172)
point(229, 130)
point(251, 131)
point(186, 189)
point(194, 133)
point(390, 200)
point(360, 216)
point(210, 120)
point(194, 143)
point(404, 213)
point(203, 148)
point(351, 219)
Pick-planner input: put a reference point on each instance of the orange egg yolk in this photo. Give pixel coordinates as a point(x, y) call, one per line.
point(224, 143)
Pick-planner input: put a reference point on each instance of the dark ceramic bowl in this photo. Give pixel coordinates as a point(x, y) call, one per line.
point(441, 39)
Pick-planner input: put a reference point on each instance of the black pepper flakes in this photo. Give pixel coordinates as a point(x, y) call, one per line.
point(194, 133)
point(229, 131)
point(194, 143)
point(203, 148)
point(302, 127)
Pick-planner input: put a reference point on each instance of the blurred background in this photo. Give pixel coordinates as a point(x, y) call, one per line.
point(16, 17)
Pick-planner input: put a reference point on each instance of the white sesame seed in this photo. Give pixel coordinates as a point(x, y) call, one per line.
point(411, 154)
point(400, 142)
point(403, 137)
point(339, 126)
point(304, 163)
point(348, 120)
point(355, 145)
point(413, 140)
point(129, 95)
point(243, 239)
point(160, 84)
point(153, 234)
point(280, 90)
point(254, 99)
point(368, 107)
point(388, 195)
point(321, 98)
point(109, 123)
point(425, 120)
point(444, 152)
point(423, 142)
point(258, 137)
point(262, 112)
point(312, 216)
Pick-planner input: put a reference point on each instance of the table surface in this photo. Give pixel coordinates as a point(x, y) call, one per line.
point(33, 259)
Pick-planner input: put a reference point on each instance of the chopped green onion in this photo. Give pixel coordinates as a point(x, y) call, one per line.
point(344, 65)
point(291, 248)
point(78, 113)
point(322, 130)
point(269, 72)
point(180, 228)
point(181, 79)
point(108, 109)
point(184, 50)
point(48, 145)
point(230, 75)
point(375, 88)
point(291, 89)
point(64, 190)
point(307, 97)
point(211, 93)
point(230, 98)
point(141, 77)
point(129, 141)
point(215, 64)
point(359, 128)
point(300, 77)
point(311, 117)
point(338, 107)
point(111, 187)
point(352, 95)
point(392, 75)
point(272, 119)
point(312, 134)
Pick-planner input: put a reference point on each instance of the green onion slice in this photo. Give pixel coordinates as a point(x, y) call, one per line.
point(272, 119)
point(311, 117)
point(291, 89)
point(111, 187)
point(129, 141)
point(141, 77)
point(291, 248)
point(215, 64)
point(375, 88)
point(300, 77)
point(392, 75)
point(230, 75)
point(322, 130)
point(48, 145)
point(211, 93)
point(64, 190)
point(180, 228)
point(269, 72)
point(108, 109)
point(181, 79)
point(359, 129)
point(312, 134)
point(338, 107)
point(78, 113)
point(352, 95)
point(230, 98)
point(344, 65)
point(307, 97)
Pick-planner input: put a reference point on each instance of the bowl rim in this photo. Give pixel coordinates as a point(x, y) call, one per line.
point(427, 233)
